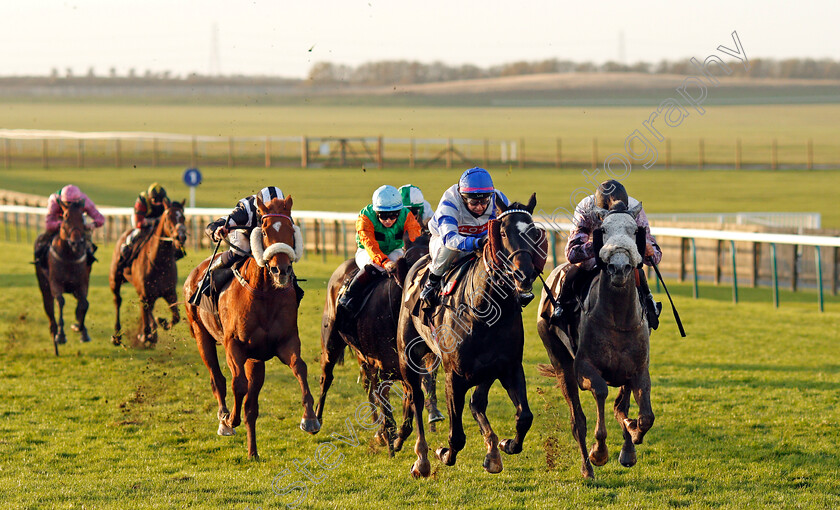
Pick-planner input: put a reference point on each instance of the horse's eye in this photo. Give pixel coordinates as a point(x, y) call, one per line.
point(503, 233)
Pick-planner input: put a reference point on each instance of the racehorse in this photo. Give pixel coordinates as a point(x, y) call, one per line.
point(153, 273)
point(372, 337)
point(66, 271)
point(257, 320)
point(614, 345)
point(477, 334)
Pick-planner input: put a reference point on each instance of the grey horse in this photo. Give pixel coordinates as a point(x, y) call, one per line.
point(614, 345)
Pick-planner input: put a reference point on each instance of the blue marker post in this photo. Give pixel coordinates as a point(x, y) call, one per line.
point(192, 178)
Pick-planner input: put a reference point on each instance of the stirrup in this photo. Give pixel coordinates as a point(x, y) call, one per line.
point(430, 294)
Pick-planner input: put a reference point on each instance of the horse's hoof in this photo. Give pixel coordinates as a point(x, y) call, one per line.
point(76, 327)
point(421, 468)
point(443, 455)
point(436, 415)
point(255, 457)
point(312, 425)
point(381, 438)
point(163, 323)
point(509, 446)
point(627, 457)
point(224, 430)
point(587, 472)
point(116, 339)
point(398, 444)
point(60, 338)
point(85, 337)
point(492, 463)
point(597, 458)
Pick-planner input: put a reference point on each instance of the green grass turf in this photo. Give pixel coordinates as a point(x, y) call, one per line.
point(350, 189)
point(746, 416)
point(719, 125)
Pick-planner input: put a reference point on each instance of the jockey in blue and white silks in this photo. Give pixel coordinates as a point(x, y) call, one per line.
point(459, 225)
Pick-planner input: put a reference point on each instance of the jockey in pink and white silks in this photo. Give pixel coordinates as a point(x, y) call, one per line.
point(459, 225)
point(70, 194)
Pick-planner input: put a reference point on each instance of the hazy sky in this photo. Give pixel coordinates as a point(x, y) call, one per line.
point(284, 38)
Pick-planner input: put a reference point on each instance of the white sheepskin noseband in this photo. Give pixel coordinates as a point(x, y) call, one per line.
point(263, 255)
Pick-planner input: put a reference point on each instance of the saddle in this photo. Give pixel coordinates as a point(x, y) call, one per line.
point(219, 281)
point(368, 291)
point(448, 284)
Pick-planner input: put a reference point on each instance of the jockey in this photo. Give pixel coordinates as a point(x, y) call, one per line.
point(379, 235)
point(237, 227)
point(148, 207)
point(581, 256)
point(459, 226)
point(67, 195)
point(412, 198)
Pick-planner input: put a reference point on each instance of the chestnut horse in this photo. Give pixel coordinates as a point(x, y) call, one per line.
point(258, 314)
point(153, 273)
point(614, 346)
point(478, 335)
point(372, 336)
point(66, 271)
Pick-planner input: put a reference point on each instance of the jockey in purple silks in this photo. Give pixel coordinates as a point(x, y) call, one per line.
point(581, 256)
point(67, 195)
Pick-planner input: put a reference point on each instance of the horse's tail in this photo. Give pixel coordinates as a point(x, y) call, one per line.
point(546, 370)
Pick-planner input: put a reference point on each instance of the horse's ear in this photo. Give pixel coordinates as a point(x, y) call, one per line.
point(289, 202)
point(532, 202)
point(600, 212)
point(183, 203)
point(635, 210)
point(260, 205)
point(500, 204)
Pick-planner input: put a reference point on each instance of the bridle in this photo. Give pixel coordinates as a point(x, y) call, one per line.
point(507, 267)
point(178, 226)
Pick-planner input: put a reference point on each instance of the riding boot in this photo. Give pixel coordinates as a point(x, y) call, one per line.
point(652, 307)
point(351, 300)
point(91, 250)
point(41, 254)
point(430, 295)
point(221, 272)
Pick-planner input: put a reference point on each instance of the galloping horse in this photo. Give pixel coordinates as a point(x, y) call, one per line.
point(478, 335)
point(66, 271)
point(258, 320)
point(153, 273)
point(372, 337)
point(614, 346)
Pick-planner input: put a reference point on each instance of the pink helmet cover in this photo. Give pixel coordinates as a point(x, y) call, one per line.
point(70, 193)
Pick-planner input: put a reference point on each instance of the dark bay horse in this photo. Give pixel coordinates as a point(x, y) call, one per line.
point(153, 273)
point(478, 335)
point(66, 271)
point(258, 313)
point(372, 336)
point(614, 345)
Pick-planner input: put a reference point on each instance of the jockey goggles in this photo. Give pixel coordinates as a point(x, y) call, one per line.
point(388, 215)
point(473, 200)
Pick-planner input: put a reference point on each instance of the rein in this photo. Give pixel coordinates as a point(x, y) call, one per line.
point(58, 257)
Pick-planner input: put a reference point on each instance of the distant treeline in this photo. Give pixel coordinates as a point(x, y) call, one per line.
point(402, 72)
point(389, 72)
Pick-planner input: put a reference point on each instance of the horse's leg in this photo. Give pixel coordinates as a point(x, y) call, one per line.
point(81, 311)
point(566, 379)
point(456, 389)
point(641, 392)
point(60, 337)
point(378, 396)
point(49, 302)
point(150, 336)
point(236, 359)
point(207, 349)
point(255, 372)
point(478, 406)
point(430, 387)
point(332, 351)
point(116, 284)
point(408, 417)
point(590, 380)
point(171, 298)
point(627, 457)
point(515, 386)
point(289, 353)
point(421, 466)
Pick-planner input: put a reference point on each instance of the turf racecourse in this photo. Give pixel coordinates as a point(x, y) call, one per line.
point(746, 416)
